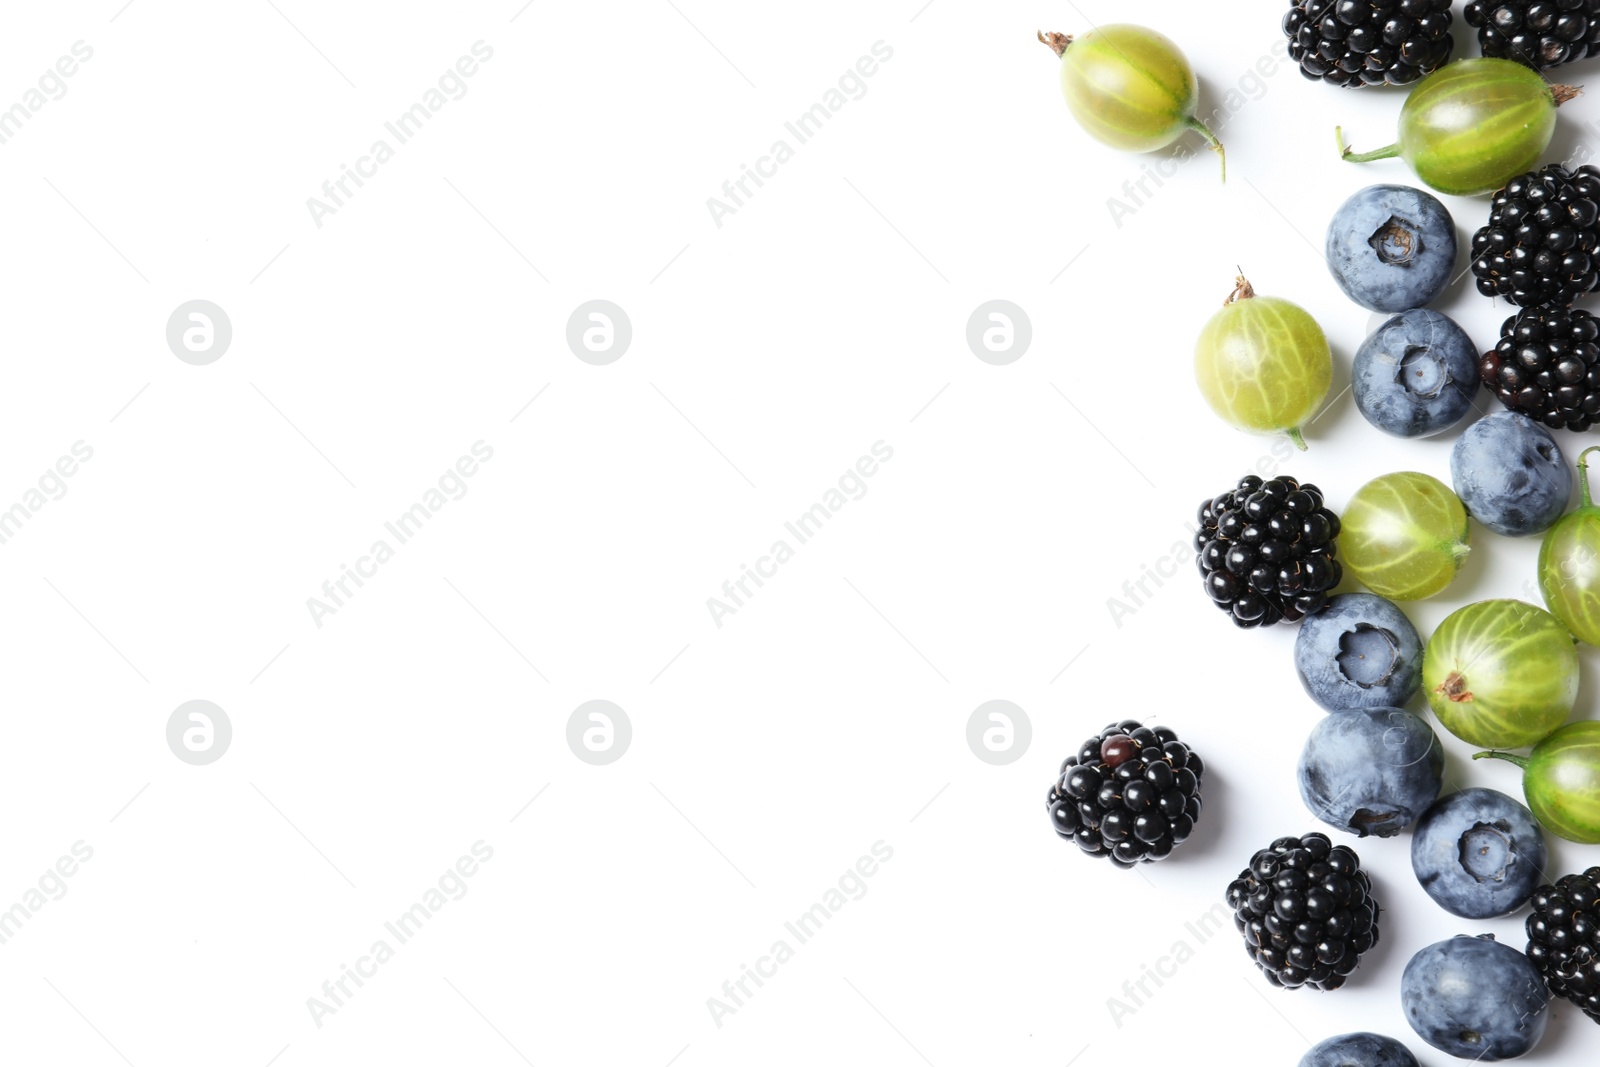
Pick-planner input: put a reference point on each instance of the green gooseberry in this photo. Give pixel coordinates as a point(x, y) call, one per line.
point(1404, 536)
point(1569, 564)
point(1130, 87)
point(1473, 125)
point(1500, 673)
point(1263, 363)
point(1561, 780)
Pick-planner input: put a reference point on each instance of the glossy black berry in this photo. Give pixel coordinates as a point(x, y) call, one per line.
point(1537, 33)
point(1564, 939)
point(1547, 366)
point(1266, 551)
point(1368, 42)
point(1131, 794)
point(1542, 243)
point(1306, 911)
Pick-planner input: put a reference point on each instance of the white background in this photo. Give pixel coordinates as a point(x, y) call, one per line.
point(768, 354)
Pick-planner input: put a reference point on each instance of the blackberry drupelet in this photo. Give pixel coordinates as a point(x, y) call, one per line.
point(1542, 243)
point(1537, 33)
point(1305, 908)
point(1267, 551)
point(1131, 794)
point(1547, 366)
point(1564, 939)
point(1352, 43)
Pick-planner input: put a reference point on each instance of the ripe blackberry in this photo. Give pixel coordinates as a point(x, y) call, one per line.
point(1266, 550)
point(1547, 366)
point(1564, 939)
point(1537, 33)
point(1542, 243)
point(1305, 908)
point(1131, 794)
point(1368, 42)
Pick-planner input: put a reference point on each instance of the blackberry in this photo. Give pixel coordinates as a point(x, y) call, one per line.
point(1266, 550)
point(1547, 366)
point(1537, 33)
point(1564, 939)
point(1542, 243)
point(1352, 43)
point(1131, 794)
point(1305, 908)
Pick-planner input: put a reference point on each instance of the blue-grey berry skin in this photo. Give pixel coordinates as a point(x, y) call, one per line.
point(1510, 474)
point(1475, 998)
point(1370, 770)
point(1391, 247)
point(1359, 1050)
point(1358, 651)
point(1478, 853)
point(1416, 375)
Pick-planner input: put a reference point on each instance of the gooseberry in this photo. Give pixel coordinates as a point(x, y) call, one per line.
point(1473, 125)
point(1130, 87)
point(1263, 363)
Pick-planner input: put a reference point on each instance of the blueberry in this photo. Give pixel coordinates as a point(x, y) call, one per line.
point(1478, 853)
point(1359, 1050)
point(1474, 998)
point(1358, 651)
point(1510, 474)
point(1416, 375)
point(1370, 770)
point(1391, 247)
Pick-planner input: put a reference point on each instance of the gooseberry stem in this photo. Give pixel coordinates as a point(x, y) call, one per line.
point(1454, 688)
point(1243, 290)
point(1057, 41)
point(1294, 435)
point(1583, 474)
point(1351, 156)
point(1509, 757)
point(1216, 146)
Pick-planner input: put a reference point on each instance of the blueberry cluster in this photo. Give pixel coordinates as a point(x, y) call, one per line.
point(1537, 33)
point(1131, 794)
point(1305, 908)
point(1546, 365)
point(1564, 939)
point(1352, 43)
point(1542, 243)
point(1267, 550)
